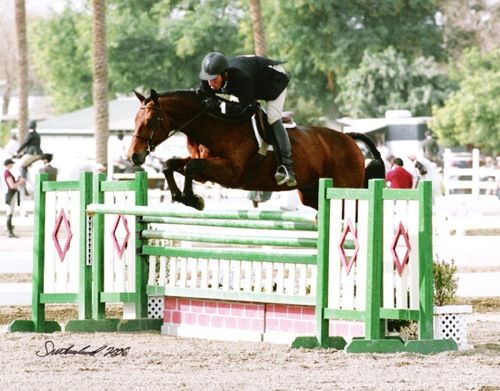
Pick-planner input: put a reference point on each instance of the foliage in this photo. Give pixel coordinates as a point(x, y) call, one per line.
point(387, 80)
point(160, 43)
point(61, 51)
point(5, 130)
point(472, 114)
point(445, 282)
point(157, 46)
point(323, 40)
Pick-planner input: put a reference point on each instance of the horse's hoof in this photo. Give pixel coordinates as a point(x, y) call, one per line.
point(199, 202)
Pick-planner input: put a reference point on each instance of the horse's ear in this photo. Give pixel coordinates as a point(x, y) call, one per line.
point(154, 95)
point(139, 96)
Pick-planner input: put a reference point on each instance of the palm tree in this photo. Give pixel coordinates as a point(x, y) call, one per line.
point(100, 77)
point(22, 69)
point(259, 35)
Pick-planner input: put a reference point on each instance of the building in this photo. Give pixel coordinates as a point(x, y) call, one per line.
point(70, 137)
point(399, 133)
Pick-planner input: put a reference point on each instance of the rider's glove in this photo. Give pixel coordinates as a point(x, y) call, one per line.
point(211, 104)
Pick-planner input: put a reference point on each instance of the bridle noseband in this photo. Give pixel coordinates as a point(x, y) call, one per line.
point(159, 120)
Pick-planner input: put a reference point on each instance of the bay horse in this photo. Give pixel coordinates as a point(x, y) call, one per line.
point(224, 150)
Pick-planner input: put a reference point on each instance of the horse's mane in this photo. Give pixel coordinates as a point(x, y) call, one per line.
point(189, 92)
point(244, 115)
point(178, 92)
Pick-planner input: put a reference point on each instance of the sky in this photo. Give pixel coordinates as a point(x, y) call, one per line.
point(45, 6)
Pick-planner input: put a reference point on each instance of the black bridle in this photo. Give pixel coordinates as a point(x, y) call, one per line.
point(159, 120)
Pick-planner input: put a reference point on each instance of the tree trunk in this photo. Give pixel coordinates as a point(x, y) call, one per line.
point(6, 97)
point(22, 69)
point(100, 75)
point(259, 35)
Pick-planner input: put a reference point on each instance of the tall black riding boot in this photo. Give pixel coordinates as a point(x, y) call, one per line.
point(10, 227)
point(283, 152)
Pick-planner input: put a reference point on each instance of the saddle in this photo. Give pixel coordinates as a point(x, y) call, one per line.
point(263, 131)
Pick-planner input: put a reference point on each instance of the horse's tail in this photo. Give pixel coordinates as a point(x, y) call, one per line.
point(376, 168)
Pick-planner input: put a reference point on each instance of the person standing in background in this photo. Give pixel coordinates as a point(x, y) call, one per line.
point(48, 168)
point(398, 177)
point(12, 186)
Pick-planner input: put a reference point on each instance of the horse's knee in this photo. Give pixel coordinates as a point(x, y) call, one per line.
point(174, 165)
point(194, 166)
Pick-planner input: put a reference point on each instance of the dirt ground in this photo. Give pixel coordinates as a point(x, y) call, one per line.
point(152, 361)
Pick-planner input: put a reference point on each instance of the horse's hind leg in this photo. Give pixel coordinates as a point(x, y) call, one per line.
point(309, 196)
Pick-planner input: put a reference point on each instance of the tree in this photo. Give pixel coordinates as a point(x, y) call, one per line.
point(468, 23)
point(62, 56)
point(324, 39)
point(471, 115)
point(7, 60)
point(100, 76)
point(387, 80)
point(154, 44)
point(22, 69)
point(259, 34)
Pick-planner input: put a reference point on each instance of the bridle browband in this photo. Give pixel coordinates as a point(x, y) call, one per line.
point(159, 120)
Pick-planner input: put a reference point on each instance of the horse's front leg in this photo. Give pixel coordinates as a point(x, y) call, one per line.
point(171, 166)
point(189, 198)
point(212, 169)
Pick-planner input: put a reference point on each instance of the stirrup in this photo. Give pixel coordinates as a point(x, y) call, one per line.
point(282, 176)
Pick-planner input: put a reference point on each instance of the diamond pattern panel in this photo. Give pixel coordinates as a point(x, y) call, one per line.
point(348, 229)
point(401, 233)
point(120, 235)
point(62, 233)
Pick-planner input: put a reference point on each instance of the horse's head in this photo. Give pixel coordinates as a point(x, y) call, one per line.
point(152, 127)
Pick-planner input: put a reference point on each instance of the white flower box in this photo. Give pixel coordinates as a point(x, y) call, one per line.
point(450, 322)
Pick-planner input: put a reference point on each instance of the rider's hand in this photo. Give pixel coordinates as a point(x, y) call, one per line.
point(211, 104)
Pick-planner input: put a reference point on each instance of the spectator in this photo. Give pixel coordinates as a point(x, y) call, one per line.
point(398, 177)
point(48, 168)
point(11, 200)
point(430, 148)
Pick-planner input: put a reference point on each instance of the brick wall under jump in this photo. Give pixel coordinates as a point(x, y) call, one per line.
point(242, 321)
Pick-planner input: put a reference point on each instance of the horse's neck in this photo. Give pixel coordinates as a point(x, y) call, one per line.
point(181, 108)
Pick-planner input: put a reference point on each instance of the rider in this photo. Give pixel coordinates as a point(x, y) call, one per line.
point(251, 78)
point(31, 145)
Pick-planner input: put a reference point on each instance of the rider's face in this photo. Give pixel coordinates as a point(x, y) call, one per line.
point(216, 84)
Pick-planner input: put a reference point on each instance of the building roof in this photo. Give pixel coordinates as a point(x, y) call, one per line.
point(122, 112)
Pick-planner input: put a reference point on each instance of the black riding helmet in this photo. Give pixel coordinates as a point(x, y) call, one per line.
point(213, 64)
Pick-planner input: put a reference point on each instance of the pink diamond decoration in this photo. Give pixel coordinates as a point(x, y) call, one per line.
point(401, 232)
point(348, 229)
point(60, 220)
point(120, 247)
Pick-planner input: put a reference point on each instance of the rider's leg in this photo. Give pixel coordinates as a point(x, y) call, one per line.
point(283, 149)
point(25, 162)
point(281, 143)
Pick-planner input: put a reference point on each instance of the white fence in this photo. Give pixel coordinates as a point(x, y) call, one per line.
point(463, 175)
